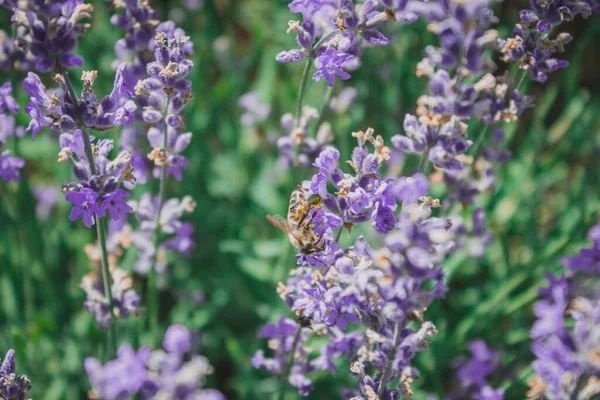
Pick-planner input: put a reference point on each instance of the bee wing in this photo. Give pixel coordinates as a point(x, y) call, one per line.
point(279, 222)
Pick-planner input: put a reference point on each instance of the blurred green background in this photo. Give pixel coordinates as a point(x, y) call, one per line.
point(545, 200)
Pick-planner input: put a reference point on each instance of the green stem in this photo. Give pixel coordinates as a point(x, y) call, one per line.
point(302, 90)
point(423, 162)
point(106, 281)
point(388, 368)
point(480, 140)
point(153, 303)
point(106, 277)
point(323, 40)
point(478, 148)
point(306, 72)
point(289, 365)
point(328, 95)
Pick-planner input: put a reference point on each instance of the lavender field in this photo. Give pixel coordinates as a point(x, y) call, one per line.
point(278, 199)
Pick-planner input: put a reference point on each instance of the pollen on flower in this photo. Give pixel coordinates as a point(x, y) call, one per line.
point(159, 156)
point(169, 71)
point(82, 11)
point(293, 26)
point(281, 290)
point(430, 201)
point(65, 154)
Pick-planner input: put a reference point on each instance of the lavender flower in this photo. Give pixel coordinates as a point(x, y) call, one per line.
point(58, 111)
point(343, 101)
point(154, 374)
point(359, 297)
point(12, 386)
point(566, 334)
point(282, 338)
point(52, 31)
point(255, 112)
point(297, 148)
point(353, 28)
point(474, 373)
point(9, 165)
point(126, 302)
point(46, 197)
point(99, 193)
point(139, 21)
point(329, 66)
point(168, 219)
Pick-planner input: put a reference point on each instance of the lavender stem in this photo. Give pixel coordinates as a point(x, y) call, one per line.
point(152, 289)
point(423, 162)
point(388, 368)
point(328, 95)
point(290, 364)
point(306, 72)
point(519, 78)
point(302, 90)
point(107, 284)
point(100, 231)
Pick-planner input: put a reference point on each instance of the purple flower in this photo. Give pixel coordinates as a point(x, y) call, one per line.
point(178, 339)
point(357, 295)
point(52, 30)
point(7, 101)
point(10, 166)
point(84, 206)
point(122, 377)
point(306, 7)
point(115, 204)
point(125, 300)
point(12, 386)
point(154, 373)
point(329, 65)
point(47, 197)
point(255, 112)
point(482, 363)
point(564, 342)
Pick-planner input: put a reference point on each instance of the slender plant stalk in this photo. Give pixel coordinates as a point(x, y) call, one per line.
point(107, 284)
point(326, 101)
point(302, 90)
point(388, 368)
point(289, 365)
point(100, 230)
point(519, 78)
point(423, 162)
point(306, 72)
point(153, 302)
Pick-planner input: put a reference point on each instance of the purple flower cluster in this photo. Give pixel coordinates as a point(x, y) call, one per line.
point(255, 111)
point(47, 33)
point(168, 218)
point(566, 334)
point(344, 30)
point(9, 165)
point(95, 194)
point(363, 298)
point(530, 46)
point(154, 374)
point(162, 96)
point(282, 337)
point(139, 21)
point(296, 147)
point(60, 111)
point(474, 372)
point(126, 302)
point(12, 386)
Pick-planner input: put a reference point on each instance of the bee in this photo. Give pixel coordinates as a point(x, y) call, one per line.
point(298, 224)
